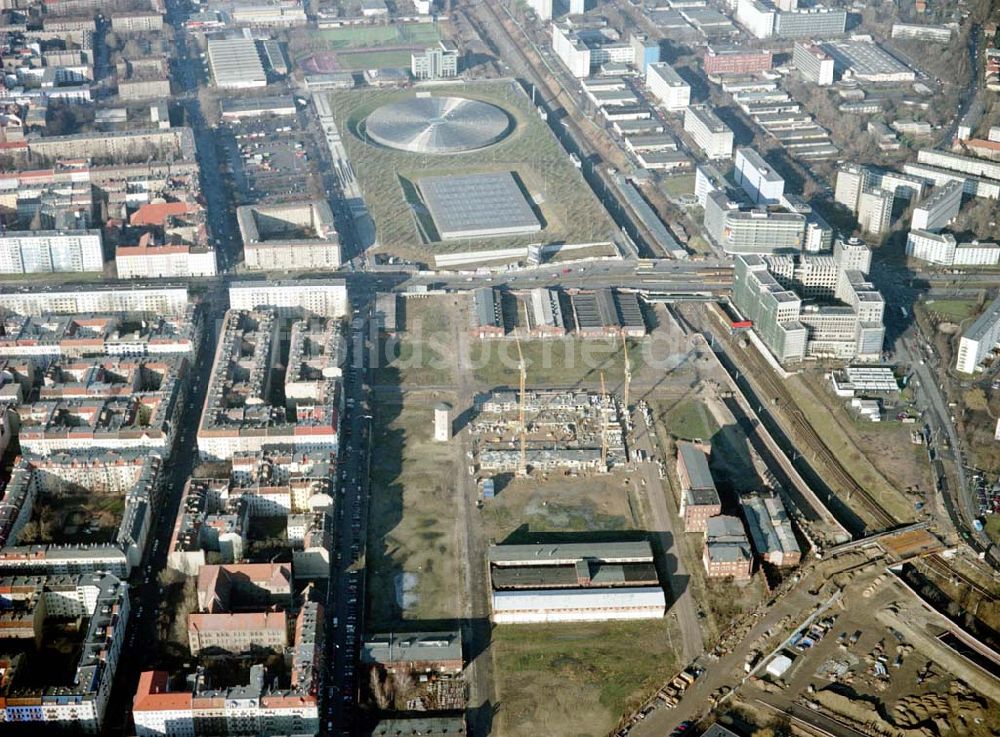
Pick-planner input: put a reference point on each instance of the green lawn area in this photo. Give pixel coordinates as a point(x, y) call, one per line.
point(991, 525)
point(570, 210)
point(398, 34)
point(954, 310)
point(679, 185)
point(424, 353)
point(359, 60)
point(688, 419)
point(564, 362)
point(412, 532)
point(572, 680)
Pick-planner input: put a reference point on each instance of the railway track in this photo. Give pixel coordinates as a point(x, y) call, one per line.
point(940, 567)
point(770, 388)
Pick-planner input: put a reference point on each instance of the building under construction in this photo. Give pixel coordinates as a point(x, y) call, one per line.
point(573, 431)
point(545, 312)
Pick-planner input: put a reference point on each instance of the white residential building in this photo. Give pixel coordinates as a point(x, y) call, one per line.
point(574, 53)
point(943, 250)
point(815, 64)
point(757, 17)
point(44, 251)
point(324, 298)
point(875, 211)
point(764, 185)
point(979, 339)
point(935, 248)
point(713, 136)
point(938, 209)
point(668, 86)
point(62, 301)
point(180, 261)
point(542, 8)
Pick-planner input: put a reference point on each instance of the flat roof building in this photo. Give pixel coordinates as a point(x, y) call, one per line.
point(435, 62)
point(939, 208)
point(979, 339)
point(410, 652)
point(736, 60)
point(668, 86)
point(290, 236)
point(292, 298)
point(713, 136)
point(866, 61)
point(578, 605)
point(813, 62)
point(46, 251)
point(777, 294)
point(758, 178)
point(478, 206)
point(235, 63)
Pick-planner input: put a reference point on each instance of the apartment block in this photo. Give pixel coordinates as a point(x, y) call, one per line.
point(758, 179)
point(289, 237)
point(817, 22)
point(979, 339)
point(238, 415)
point(713, 136)
point(262, 707)
point(757, 17)
point(874, 211)
point(668, 86)
point(149, 261)
point(100, 602)
point(943, 250)
point(45, 251)
point(304, 298)
point(922, 32)
point(939, 209)
point(135, 478)
point(813, 62)
point(167, 301)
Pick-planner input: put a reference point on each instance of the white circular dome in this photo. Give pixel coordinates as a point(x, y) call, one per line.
point(437, 125)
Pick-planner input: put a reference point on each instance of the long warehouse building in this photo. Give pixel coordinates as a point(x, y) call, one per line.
point(593, 582)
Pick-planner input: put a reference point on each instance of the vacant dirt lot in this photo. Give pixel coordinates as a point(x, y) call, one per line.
point(412, 554)
point(562, 680)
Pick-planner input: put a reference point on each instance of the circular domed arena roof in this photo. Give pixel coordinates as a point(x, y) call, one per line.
point(437, 125)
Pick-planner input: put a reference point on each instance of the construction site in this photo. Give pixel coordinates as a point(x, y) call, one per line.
point(569, 431)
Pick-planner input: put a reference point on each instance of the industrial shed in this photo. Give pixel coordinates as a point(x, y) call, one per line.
point(578, 605)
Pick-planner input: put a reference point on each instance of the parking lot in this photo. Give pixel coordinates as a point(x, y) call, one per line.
point(267, 159)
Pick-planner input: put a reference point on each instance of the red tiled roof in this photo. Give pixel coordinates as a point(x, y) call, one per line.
point(156, 213)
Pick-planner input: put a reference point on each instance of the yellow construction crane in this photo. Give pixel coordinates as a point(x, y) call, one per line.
point(522, 466)
point(604, 426)
point(628, 372)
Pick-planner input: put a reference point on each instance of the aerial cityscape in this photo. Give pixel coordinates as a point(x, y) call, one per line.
point(470, 368)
